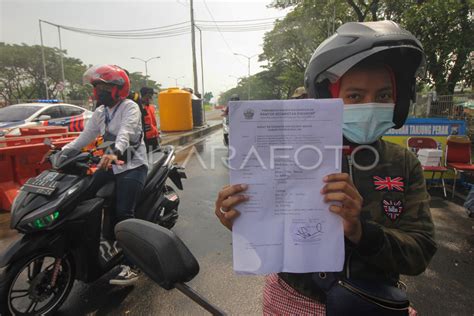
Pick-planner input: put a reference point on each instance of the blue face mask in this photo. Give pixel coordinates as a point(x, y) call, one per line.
point(365, 123)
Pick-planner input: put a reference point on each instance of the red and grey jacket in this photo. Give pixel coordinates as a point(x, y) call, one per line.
point(151, 128)
point(397, 228)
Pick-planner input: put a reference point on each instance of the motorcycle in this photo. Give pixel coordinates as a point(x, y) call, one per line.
point(68, 234)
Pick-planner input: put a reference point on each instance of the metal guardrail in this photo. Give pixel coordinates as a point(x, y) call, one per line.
point(454, 107)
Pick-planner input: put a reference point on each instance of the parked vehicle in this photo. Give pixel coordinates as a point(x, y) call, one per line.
point(15, 116)
point(68, 234)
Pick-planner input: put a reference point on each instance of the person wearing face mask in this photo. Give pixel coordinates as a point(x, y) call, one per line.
point(380, 195)
point(116, 119)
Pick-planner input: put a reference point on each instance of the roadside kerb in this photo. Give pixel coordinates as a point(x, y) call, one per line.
point(180, 139)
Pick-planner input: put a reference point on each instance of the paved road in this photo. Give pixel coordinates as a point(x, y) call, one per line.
point(446, 288)
point(208, 240)
point(213, 115)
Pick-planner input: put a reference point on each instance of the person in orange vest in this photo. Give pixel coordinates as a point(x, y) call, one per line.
point(152, 133)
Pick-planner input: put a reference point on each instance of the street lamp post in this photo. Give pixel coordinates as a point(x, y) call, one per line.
point(248, 59)
point(44, 60)
point(176, 79)
point(146, 66)
point(45, 78)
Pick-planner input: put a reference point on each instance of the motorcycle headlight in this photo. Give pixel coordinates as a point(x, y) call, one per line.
point(45, 221)
point(42, 222)
point(49, 214)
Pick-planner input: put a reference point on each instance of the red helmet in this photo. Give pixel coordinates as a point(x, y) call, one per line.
point(110, 74)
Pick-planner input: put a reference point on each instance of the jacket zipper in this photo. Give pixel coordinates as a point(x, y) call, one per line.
point(351, 174)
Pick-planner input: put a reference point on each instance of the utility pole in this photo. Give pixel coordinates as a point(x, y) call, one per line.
point(202, 63)
point(202, 76)
point(193, 44)
point(45, 79)
point(62, 62)
point(61, 54)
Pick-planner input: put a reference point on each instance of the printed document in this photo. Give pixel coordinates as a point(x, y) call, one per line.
point(283, 149)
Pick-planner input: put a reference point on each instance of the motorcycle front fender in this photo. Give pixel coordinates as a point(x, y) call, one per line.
point(27, 244)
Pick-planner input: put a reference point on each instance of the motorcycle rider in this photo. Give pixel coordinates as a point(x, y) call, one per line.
point(116, 119)
point(225, 115)
point(151, 129)
point(387, 223)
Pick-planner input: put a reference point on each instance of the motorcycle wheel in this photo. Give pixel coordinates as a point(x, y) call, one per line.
point(25, 289)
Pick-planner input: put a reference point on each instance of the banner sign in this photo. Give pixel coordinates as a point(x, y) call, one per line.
point(429, 127)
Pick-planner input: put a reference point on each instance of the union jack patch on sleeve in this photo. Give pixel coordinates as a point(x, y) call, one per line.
point(388, 184)
point(392, 209)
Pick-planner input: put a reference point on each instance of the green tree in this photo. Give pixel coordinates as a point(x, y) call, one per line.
point(446, 31)
point(445, 28)
point(207, 97)
point(138, 81)
point(363, 10)
point(289, 46)
point(22, 76)
point(263, 86)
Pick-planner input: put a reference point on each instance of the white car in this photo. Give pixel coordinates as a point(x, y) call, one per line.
point(13, 117)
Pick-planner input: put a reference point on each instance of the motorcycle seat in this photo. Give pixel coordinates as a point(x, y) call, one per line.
point(157, 251)
point(157, 158)
point(107, 190)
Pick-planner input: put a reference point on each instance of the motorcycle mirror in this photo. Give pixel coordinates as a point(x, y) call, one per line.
point(161, 255)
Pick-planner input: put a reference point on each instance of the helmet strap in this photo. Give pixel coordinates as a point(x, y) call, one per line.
point(115, 93)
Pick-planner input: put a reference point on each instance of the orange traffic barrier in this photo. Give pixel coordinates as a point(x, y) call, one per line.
point(33, 139)
point(19, 163)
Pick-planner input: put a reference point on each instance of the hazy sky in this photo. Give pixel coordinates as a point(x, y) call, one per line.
point(19, 24)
